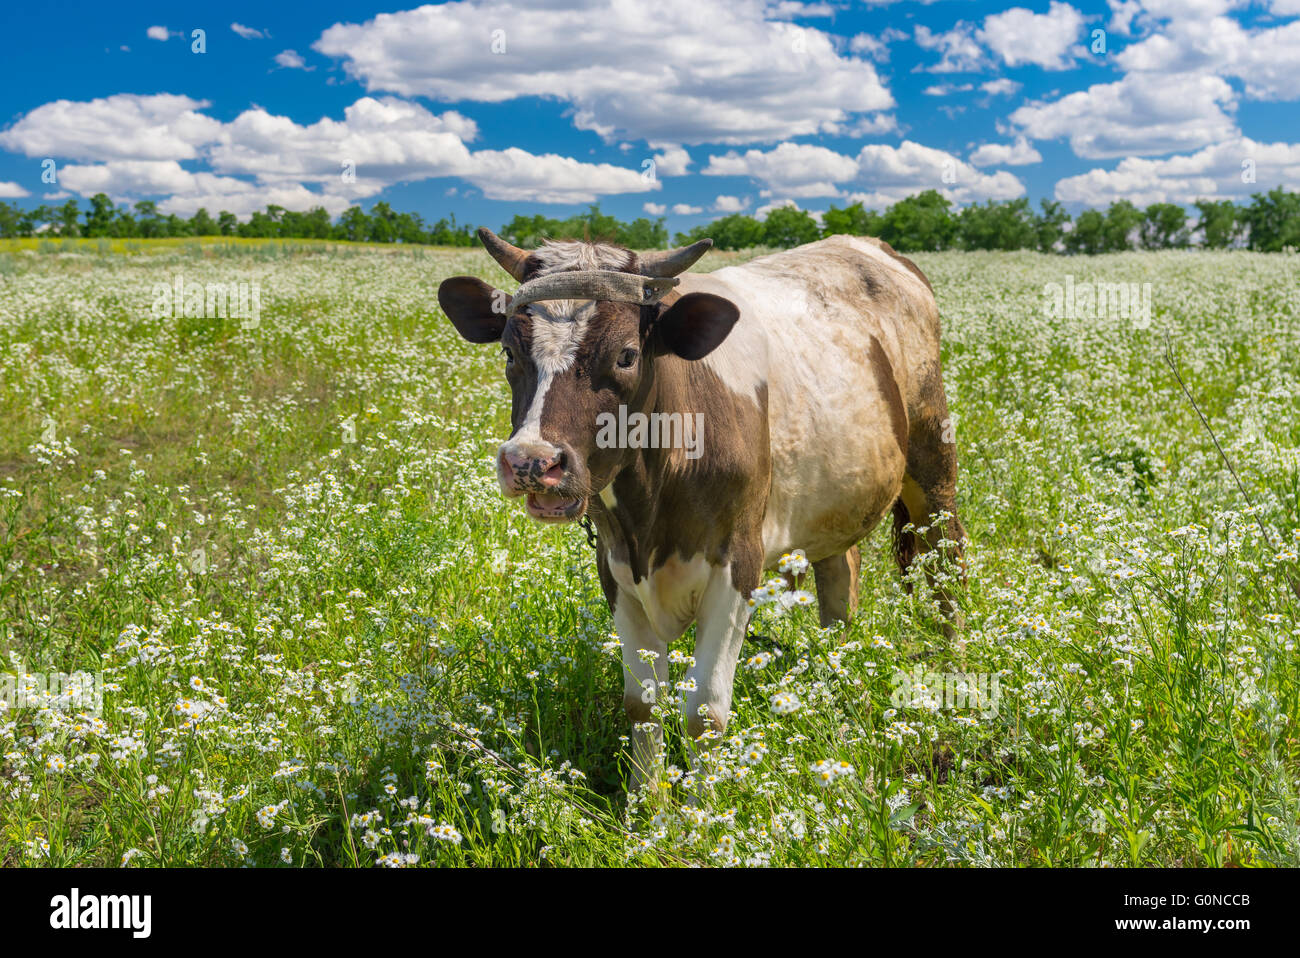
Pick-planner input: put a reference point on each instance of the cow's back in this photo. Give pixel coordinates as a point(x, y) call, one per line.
point(844, 334)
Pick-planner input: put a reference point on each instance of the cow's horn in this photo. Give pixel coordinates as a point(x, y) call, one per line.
point(673, 261)
point(603, 285)
point(510, 257)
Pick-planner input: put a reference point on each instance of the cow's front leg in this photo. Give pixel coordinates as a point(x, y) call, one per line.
point(719, 634)
point(641, 677)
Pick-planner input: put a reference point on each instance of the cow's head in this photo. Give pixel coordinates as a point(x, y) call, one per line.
point(581, 337)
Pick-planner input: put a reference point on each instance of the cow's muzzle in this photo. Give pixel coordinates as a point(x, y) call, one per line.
point(544, 473)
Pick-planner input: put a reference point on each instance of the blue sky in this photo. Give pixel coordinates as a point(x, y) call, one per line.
point(683, 108)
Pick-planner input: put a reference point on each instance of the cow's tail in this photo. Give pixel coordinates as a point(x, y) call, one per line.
point(905, 539)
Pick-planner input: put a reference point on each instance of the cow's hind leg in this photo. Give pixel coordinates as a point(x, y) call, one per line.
point(837, 587)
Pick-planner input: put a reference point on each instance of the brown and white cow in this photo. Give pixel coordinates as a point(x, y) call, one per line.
point(815, 373)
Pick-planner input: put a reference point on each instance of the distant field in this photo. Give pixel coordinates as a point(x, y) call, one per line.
point(325, 639)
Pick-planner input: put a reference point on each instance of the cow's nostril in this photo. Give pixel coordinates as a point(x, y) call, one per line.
point(530, 469)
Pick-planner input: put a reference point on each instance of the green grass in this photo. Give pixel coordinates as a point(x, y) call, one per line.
point(362, 642)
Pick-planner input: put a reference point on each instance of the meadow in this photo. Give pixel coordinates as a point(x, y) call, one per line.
point(326, 640)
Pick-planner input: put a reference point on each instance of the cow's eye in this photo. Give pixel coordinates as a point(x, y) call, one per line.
point(510, 356)
point(626, 358)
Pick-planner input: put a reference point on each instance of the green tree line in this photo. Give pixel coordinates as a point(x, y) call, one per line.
point(382, 224)
point(927, 221)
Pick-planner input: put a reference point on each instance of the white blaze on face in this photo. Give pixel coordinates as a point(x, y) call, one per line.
point(558, 329)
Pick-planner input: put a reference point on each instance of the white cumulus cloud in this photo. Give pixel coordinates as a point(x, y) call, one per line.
point(890, 174)
point(680, 72)
point(130, 146)
point(161, 126)
point(291, 60)
point(672, 161)
point(881, 173)
point(947, 89)
point(1000, 87)
point(793, 169)
point(1019, 153)
point(1233, 169)
point(1266, 60)
point(729, 204)
point(1048, 40)
point(1140, 114)
point(961, 52)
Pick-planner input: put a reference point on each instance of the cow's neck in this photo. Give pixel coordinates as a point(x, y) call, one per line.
point(661, 502)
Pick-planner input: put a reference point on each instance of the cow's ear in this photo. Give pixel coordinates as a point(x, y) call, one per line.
point(477, 310)
point(696, 325)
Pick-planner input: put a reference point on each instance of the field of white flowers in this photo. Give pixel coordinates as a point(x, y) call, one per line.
point(325, 639)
